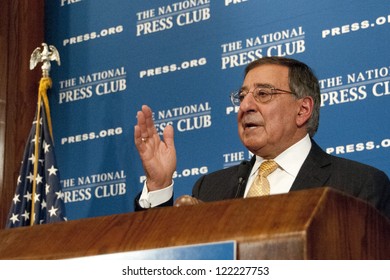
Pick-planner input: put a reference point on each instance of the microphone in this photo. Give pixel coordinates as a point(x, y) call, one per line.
point(243, 170)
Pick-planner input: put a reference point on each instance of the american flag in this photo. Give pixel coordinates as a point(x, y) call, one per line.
point(47, 200)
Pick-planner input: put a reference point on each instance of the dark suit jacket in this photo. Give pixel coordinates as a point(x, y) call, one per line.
point(318, 170)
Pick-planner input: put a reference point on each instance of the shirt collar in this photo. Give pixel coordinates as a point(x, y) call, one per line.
point(291, 159)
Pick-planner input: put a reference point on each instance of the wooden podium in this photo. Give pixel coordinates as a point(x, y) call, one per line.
point(311, 224)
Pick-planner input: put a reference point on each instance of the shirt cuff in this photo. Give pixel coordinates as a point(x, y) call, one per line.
point(154, 198)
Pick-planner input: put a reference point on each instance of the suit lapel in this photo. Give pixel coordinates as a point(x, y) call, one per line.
point(315, 171)
point(247, 168)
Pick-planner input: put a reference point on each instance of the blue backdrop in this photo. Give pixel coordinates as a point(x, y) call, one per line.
point(183, 58)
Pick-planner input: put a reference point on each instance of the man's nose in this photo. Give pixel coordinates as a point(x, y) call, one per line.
point(248, 103)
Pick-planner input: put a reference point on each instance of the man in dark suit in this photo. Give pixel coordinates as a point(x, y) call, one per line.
point(279, 104)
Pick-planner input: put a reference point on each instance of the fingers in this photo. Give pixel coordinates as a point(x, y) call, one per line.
point(145, 129)
point(143, 121)
point(137, 136)
point(168, 135)
point(149, 123)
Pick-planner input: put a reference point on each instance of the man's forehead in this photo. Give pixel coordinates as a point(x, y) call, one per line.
point(269, 68)
point(268, 74)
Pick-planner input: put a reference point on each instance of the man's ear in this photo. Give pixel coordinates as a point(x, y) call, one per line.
point(305, 110)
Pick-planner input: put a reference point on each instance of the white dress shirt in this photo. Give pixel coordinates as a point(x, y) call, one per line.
point(154, 198)
point(289, 163)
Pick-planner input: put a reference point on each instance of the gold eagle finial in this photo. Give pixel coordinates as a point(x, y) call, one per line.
point(44, 55)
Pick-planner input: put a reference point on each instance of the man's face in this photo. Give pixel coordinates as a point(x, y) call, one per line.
point(267, 129)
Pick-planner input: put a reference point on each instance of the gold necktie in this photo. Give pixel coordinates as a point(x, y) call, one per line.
point(260, 185)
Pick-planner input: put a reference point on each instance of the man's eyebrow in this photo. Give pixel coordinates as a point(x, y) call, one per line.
point(263, 85)
point(257, 85)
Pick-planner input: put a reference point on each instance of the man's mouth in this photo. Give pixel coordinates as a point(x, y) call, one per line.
point(250, 125)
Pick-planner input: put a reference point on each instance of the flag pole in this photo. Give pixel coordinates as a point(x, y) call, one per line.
point(44, 84)
point(45, 56)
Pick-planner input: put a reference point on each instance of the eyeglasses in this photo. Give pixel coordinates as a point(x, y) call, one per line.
point(262, 94)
